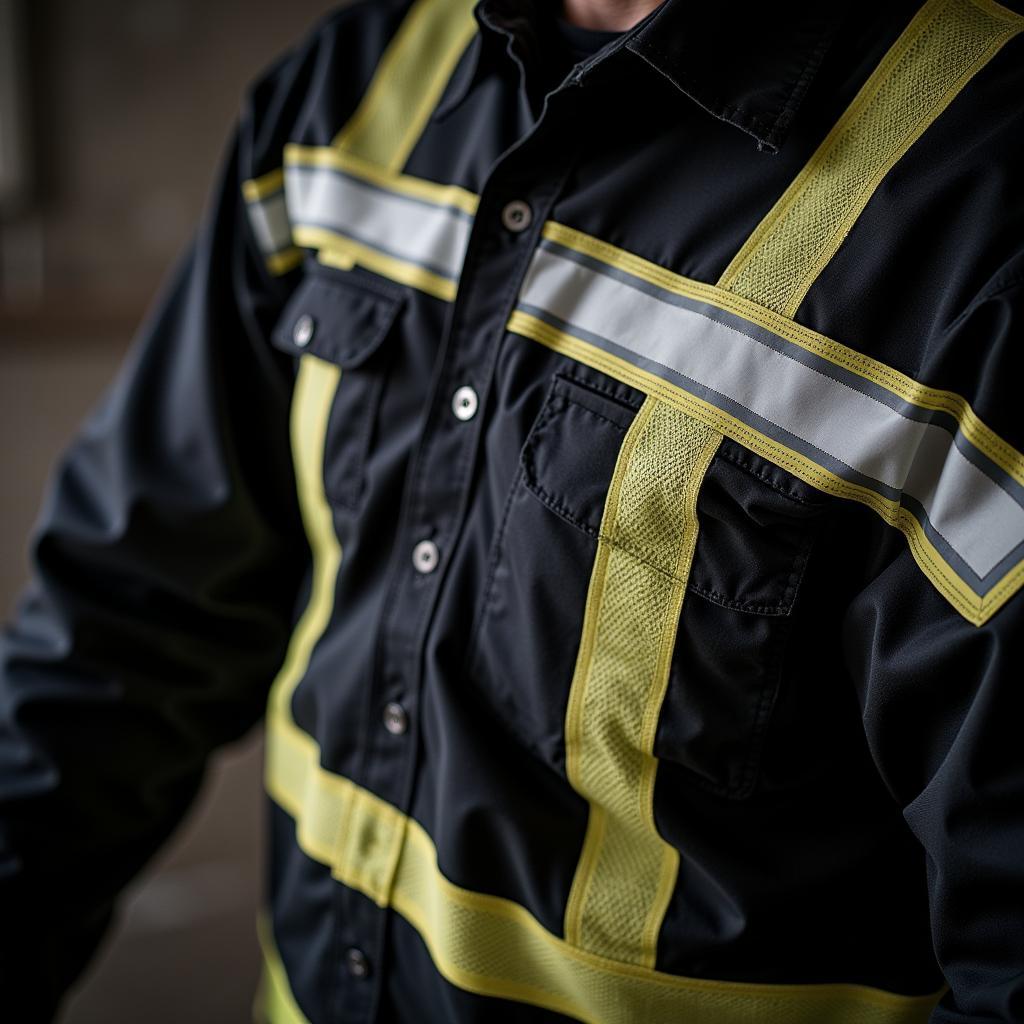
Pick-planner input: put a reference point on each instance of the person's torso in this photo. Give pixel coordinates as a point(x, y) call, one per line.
point(566, 711)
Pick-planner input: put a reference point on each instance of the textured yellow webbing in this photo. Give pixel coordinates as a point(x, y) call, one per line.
point(408, 82)
point(337, 822)
point(275, 1003)
point(626, 871)
point(493, 947)
point(943, 47)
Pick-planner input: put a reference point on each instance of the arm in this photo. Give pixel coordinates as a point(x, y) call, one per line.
point(942, 705)
point(166, 563)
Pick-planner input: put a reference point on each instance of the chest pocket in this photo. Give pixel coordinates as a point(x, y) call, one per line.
point(345, 320)
point(757, 526)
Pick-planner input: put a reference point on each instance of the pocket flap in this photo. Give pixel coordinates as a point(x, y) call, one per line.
point(337, 319)
point(570, 453)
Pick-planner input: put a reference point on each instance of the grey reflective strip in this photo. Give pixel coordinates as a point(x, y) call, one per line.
point(973, 511)
point(270, 224)
point(413, 230)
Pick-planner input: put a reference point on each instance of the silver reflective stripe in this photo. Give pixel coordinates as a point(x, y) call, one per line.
point(426, 235)
point(971, 510)
point(270, 224)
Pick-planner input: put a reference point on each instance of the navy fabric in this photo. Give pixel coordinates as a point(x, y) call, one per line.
point(839, 758)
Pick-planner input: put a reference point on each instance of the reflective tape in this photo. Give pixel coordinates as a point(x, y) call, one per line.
point(408, 229)
point(400, 231)
point(270, 224)
point(494, 947)
point(627, 871)
point(958, 489)
point(274, 1003)
point(348, 201)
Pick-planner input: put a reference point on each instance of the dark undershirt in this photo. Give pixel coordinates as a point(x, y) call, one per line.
point(562, 45)
point(579, 43)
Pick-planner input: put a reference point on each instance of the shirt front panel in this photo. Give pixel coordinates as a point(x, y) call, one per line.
point(478, 650)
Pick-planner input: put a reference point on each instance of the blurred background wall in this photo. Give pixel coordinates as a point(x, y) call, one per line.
point(113, 115)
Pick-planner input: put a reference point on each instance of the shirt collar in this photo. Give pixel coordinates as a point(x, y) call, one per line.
point(750, 67)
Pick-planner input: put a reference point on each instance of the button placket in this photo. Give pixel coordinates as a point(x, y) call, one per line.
point(436, 499)
point(436, 490)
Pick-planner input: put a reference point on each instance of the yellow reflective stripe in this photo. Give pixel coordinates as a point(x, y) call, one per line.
point(256, 189)
point(493, 947)
point(274, 1003)
point(281, 262)
point(627, 872)
point(375, 144)
point(419, 245)
point(909, 390)
point(976, 610)
point(338, 250)
point(402, 184)
point(315, 387)
point(355, 836)
point(337, 822)
point(408, 82)
point(336, 258)
point(943, 47)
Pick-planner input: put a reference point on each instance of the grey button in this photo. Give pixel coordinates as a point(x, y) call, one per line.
point(305, 327)
point(425, 556)
point(516, 216)
point(396, 721)
point(357, 963)
point(464, 403)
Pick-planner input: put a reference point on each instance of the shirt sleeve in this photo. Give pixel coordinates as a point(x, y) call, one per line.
point(942, 704)
point(166, 563)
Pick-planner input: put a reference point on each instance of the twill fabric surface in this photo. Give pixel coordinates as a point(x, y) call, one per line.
point(708, 700)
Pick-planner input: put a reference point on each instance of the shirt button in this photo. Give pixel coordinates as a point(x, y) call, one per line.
point(396, 721)
point(517, 215)
point(304, 329)
point(425, 556)
point(357, 963)
point(464, 403)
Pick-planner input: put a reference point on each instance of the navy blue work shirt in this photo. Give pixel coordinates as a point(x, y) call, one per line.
point(359, 448)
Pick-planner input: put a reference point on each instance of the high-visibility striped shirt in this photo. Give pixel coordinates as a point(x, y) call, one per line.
point(604, 476)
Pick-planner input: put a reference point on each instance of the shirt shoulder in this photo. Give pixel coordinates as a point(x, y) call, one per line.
point(311, 90)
